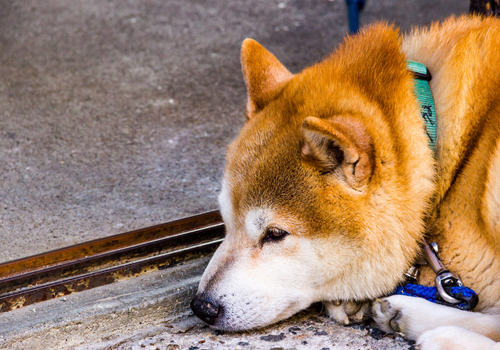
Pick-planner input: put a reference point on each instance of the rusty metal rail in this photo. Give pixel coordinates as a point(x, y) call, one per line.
point(102, 261)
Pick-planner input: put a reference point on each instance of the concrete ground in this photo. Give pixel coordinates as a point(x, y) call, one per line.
point(115, 115)
point(150, 312)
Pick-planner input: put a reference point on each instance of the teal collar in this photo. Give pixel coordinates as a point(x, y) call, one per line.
point(425, 99)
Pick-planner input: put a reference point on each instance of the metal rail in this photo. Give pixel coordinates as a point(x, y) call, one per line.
point(102, 261)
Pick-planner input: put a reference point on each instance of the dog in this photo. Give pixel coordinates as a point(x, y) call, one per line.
point(331, 188)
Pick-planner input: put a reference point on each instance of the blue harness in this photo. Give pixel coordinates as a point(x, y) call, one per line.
point(448, 289)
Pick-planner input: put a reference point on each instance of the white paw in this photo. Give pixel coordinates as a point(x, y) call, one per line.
point(407, 316)
point(386, 315)
point(453, 338)
point(347, 312)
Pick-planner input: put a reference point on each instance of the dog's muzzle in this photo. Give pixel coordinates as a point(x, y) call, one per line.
point(206, 308)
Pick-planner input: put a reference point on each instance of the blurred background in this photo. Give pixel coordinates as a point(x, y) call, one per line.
point(115, 115)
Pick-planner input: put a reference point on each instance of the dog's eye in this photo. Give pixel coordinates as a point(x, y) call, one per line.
point(274, 234)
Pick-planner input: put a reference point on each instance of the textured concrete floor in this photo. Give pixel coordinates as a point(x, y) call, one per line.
point(151, 312)
point(115, 115)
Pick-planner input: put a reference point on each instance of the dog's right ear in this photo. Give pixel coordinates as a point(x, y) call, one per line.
point(264, 75)
point(340, 146)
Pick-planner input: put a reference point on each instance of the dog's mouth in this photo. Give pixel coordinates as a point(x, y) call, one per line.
point(248, 316)
point(214, 313)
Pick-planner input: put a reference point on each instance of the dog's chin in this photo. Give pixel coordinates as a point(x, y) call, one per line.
point(240, 323)
point(237, 326)
point(230, 327)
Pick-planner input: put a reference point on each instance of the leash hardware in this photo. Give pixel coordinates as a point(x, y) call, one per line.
point(412, 274)
point(444, 281)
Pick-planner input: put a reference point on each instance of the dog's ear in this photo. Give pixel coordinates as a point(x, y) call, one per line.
point(264, 75)
point(340, 146)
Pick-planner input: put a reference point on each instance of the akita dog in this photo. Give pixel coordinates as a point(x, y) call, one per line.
point(331, 187)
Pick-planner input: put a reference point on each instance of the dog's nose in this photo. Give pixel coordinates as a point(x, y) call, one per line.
point(206, 308)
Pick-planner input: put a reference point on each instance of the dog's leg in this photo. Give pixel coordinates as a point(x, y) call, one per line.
point(347, 312)
point(452, 337)
point(413, 316)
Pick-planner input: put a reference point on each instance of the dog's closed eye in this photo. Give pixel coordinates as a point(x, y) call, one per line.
point(274, 234)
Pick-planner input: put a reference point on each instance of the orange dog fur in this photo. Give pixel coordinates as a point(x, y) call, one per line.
point(331, 187)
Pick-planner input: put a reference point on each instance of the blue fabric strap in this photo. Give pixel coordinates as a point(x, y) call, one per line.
point(431, 294)
point(425, 99)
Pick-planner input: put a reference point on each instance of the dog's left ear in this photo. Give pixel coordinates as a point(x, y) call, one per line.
point(340, 146)
point(264, 75)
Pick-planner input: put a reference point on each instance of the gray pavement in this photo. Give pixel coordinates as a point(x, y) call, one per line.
point(150, 312)
point(115, 115)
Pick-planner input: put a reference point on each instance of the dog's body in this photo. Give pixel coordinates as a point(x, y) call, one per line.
point(331, 186)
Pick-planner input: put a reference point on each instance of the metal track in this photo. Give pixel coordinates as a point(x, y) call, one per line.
point(102, 261)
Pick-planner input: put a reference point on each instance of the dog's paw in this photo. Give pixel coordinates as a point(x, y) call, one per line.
point(407, 316)
point(387, 315)
point(347, 312)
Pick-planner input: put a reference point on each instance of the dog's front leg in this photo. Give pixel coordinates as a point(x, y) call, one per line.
point(347, 312)
point(452, 337)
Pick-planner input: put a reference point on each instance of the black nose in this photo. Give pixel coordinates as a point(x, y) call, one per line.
point(206, 308)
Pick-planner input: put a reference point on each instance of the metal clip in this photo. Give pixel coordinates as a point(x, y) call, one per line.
point(412, 274)
point(444, 278)
point(444, 281)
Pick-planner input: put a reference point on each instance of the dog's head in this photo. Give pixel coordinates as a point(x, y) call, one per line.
point(324, 189)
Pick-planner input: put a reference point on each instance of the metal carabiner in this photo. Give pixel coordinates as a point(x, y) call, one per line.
point(444, 278)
